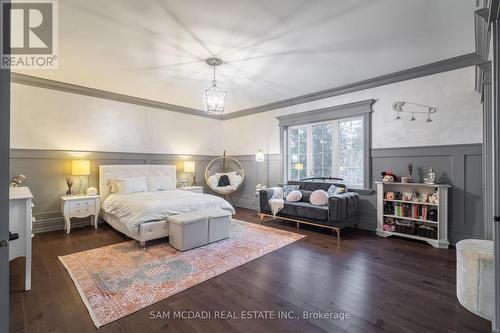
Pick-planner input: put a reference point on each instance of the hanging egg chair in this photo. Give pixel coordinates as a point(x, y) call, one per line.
point(224, 175)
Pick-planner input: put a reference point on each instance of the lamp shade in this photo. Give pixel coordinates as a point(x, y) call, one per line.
point(80, 168)
point(299, 166)
point(189, 166)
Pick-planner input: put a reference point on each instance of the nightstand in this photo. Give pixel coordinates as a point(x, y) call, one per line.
point(194, 189)
point(80, 206)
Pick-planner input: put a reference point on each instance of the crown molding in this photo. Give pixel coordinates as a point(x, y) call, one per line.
point(92, 92)
point(482, 32)
point(466, 60)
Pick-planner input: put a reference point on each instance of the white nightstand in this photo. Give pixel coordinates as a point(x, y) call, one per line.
point(194, 189)
point(80, 206)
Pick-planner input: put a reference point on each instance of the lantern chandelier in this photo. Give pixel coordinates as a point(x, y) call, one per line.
point(215, 98)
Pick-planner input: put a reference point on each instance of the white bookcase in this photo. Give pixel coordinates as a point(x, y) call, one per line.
point(440, 225)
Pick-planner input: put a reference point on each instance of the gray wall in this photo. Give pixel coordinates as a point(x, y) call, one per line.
point(47, 171)
point(458, 165)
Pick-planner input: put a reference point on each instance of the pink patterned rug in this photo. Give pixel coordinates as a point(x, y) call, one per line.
point(117, 280)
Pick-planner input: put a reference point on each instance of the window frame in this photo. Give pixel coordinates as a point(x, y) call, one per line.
point(309, 118)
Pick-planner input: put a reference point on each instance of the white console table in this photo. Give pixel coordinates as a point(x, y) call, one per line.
point(20, 222)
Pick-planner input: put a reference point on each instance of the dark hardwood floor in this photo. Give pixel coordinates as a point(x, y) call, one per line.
point(386, 285)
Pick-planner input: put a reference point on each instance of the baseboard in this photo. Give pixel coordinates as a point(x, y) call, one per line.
point(57, 223)
point(245, 203)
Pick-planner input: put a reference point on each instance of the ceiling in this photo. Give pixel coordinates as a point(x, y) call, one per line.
point(273, 49)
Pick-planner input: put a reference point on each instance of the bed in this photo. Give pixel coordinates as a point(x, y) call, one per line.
point(143, 215)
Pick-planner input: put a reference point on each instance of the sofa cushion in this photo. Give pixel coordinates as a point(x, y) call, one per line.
point(306, 196)
point(319, 198)
point(303, 209)
point(294, 196)
point(289, 188)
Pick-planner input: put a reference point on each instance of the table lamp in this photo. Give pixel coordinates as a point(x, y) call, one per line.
point(190, 167)
point(80, 168)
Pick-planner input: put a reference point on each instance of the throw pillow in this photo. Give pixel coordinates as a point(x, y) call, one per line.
point(223, 181)
point(306, 195)
point(235, 180)
point(131, 185)
point(334, 190)
point(213, 181)
point(319, 198)
point(160, 183)
point(289, 188)
point(294, 196)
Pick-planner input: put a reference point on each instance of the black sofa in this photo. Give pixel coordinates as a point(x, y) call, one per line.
point(342, 209)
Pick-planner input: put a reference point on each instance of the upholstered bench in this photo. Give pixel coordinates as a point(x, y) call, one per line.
point(475, 280)
point(188, 230)
point(218, 224)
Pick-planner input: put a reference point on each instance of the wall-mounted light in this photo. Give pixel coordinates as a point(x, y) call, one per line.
point(413, 108)
point(259, 157)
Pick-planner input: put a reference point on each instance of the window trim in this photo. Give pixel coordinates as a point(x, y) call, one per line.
point(361, 108)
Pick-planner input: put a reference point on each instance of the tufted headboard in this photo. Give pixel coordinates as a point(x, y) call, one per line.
point(110, 172)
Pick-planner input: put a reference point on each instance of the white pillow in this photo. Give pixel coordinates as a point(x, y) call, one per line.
point(113, 188)
point(319, 198)
point(160, 183)
point(235, 180)
point(131, 185)
point(294, 196)
point(213, 181)
point(229, 174)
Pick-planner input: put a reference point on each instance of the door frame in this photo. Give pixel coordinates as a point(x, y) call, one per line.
point(4, 190)
point(494, 22)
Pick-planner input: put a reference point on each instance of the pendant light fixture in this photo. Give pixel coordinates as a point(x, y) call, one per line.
point(215, 98)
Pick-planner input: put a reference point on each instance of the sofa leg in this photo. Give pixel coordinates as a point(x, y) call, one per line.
point(142, 244)
point(298, 225)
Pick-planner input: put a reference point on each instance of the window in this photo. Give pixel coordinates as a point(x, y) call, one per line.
point(328, 149)
point(329, 142)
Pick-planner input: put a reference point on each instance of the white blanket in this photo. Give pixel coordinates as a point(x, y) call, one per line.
point(276, 202)
point(134, 209)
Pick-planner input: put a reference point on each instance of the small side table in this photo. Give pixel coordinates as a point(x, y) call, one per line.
point(80, 206)
point(194, 189)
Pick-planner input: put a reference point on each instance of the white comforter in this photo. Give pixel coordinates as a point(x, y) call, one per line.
point(134, 209)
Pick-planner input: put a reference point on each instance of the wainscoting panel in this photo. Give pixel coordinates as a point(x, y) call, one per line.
point(47, 171)
point(458, 165)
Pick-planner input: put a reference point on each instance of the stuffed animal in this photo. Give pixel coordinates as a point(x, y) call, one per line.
point(390, 196)
point(434, 198)
point(407, 196)
point(389, 177)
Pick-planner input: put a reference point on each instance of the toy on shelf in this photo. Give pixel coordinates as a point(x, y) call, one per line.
point(389, 177)
point(431, 177)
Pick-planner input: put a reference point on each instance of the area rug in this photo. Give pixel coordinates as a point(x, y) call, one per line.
point(117, 280)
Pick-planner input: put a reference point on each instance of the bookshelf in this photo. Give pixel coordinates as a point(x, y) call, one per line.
point(416, 218)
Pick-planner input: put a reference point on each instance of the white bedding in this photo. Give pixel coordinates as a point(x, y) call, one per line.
point(134, 209)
